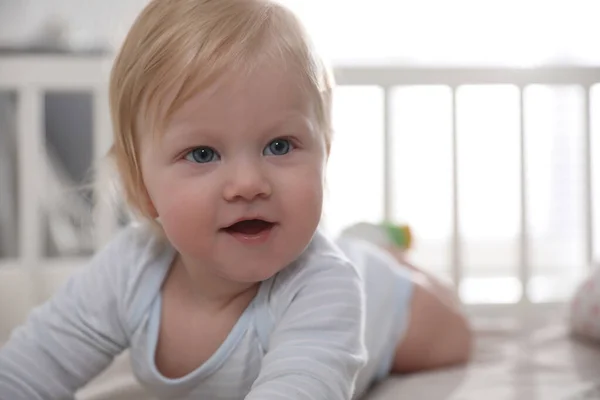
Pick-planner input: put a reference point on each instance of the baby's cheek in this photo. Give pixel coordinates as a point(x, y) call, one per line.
point(185, 218)
point(305, 196)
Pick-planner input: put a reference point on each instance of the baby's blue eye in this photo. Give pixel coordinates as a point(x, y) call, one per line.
point(202, 155)
point(278, 147)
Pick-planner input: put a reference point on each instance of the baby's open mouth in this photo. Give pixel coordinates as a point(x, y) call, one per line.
point(249, 227)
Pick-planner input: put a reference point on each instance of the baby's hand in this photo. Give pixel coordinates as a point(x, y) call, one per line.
point(585, 308)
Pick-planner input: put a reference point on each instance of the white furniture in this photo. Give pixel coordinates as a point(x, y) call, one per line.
point(30, 278)
point(27, 279)
point(30, 76)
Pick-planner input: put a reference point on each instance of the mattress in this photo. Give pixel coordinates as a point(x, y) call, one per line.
point(518, 354)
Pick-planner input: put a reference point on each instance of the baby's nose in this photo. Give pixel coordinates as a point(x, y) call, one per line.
point(247, 182)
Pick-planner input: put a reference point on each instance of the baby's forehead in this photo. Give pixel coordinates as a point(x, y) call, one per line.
point(267, 91)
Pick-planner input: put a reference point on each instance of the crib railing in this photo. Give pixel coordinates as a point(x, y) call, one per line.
point(31, 77)
point(389, 78)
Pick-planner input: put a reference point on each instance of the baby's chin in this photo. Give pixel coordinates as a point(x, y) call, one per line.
point(252, 271)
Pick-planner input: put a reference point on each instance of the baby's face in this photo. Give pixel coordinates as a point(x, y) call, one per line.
point(237, 177)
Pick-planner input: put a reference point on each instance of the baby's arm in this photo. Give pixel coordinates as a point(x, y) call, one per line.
point(317, 349)
point(66, 341)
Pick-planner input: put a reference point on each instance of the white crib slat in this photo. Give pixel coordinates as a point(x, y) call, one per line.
point(104, 215)
point(588, 205)
point(31, 159)
point(388, 178)
point(524, 251)
point(456, 255)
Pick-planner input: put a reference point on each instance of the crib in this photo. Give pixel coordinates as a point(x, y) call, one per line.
point(30, 77)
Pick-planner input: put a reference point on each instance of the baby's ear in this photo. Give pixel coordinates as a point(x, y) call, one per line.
point(147, 204)
point(151, 209)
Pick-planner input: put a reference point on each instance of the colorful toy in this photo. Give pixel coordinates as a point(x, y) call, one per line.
point(385, 234)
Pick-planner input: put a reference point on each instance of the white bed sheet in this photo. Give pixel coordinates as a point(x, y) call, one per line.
point(526, 357)
point(518, 356)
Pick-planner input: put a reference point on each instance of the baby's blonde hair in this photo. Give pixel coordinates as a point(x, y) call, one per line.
point(176, 48)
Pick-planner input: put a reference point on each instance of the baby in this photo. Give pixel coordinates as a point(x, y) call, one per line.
point(221, 112)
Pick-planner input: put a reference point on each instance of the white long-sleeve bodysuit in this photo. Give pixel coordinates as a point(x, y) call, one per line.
point(324, 328)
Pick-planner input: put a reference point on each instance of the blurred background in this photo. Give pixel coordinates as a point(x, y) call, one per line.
point(471, 121)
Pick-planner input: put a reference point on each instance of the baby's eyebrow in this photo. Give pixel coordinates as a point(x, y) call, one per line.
point(296, 119)
point(182, 136)
point(184, 131)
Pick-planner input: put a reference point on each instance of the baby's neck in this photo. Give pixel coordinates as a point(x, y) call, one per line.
point(208, 291)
